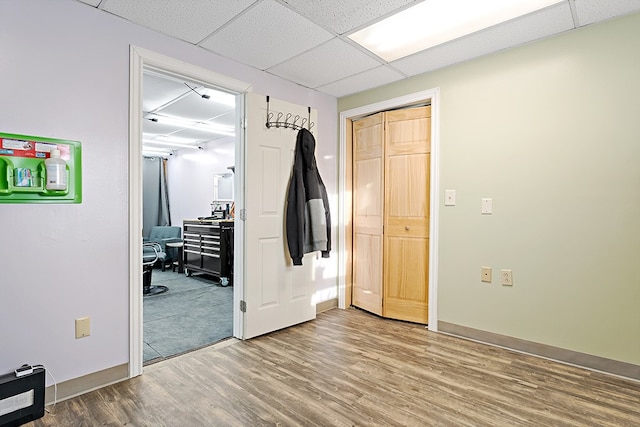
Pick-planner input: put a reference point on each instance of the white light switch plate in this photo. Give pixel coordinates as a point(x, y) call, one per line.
point(487, 206)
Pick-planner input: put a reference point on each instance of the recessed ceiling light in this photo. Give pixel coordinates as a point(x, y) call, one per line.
point(434, 22)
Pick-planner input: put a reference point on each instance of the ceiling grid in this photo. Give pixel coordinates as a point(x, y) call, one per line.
point(307, 41)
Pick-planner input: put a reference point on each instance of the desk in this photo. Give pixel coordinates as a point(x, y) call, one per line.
point(180, 262)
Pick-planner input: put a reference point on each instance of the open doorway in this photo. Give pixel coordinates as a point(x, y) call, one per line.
point(142, 59)
point(188, 148)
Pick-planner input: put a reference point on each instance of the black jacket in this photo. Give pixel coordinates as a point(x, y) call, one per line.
point(308, 218)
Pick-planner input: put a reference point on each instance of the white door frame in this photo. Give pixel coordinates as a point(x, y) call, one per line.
point(141, 58)
point(432, 95)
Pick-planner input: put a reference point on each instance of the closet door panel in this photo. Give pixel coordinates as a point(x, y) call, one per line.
point(368, 202)
point(408, 131)
point(406, 223)
point(406, 273)
point(367, 274)
point(408, 194)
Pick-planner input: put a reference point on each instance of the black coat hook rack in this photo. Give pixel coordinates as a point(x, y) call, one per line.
point(289, 120)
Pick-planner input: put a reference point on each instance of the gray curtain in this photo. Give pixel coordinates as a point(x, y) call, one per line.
point(155, 198)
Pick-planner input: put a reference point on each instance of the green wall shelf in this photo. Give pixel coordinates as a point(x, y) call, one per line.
point(23, 171)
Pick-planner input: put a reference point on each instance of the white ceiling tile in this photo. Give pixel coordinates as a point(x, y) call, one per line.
point(341, 16)
point(94, 3)
point(546, 22)
point(327, 63)
point(159, 90)
point(590, 11)
point(369, 79)
point(195, 135)
point(190, 20)
point(195, 107)
point(158, 128)
point(266, 35)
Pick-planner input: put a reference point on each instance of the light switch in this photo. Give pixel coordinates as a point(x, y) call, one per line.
point(449, 197)
point(487, 206)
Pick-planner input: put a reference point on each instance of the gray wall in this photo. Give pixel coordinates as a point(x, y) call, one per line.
point(65, 74)
point(551, 132)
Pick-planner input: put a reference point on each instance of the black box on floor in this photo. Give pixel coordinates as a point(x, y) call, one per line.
point(21, 398)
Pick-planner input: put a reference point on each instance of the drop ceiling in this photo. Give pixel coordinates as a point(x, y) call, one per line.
point(183, 115)
point(307, 42)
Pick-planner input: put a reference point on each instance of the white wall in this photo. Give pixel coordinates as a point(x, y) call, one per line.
point(64, 72)
point(551, 132)
point(190, 174)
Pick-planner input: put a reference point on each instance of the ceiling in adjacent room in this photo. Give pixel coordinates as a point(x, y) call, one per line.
point(183, 115)
point(307, 42)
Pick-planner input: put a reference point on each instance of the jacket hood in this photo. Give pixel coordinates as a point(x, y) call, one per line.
point(308, 144)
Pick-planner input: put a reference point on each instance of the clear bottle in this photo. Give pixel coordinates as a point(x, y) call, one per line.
point(56, 171)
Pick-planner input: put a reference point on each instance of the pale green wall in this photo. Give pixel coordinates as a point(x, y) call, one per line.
point(551, 132)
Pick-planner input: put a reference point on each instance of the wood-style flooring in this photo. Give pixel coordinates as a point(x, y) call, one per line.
point(351, 368)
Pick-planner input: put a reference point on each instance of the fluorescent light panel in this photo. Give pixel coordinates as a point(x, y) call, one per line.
point(170, 144)
point(193, 124)
point(434, 22)
point(154, 152)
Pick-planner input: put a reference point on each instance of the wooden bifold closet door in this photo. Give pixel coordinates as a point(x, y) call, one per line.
point(391, 168)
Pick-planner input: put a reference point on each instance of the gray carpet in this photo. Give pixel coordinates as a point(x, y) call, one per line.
point(194, 313)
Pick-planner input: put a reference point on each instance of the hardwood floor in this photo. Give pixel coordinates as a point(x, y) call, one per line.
point(351, 368)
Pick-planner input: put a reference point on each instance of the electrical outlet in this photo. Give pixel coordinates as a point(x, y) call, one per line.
point(507, 278)
point(485, 274)
point(83, 327)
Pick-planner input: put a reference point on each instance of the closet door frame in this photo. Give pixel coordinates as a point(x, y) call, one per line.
point(345, 204)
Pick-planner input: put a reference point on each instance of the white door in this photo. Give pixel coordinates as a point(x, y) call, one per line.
point(276, 293)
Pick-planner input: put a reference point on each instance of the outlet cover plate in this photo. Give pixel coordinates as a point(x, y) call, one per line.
point(485, 274)
point(507, 277)
point(449, 197)
point(83, 327)
point(487, 206)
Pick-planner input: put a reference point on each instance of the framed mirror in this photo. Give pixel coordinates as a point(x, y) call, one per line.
point(223, 187)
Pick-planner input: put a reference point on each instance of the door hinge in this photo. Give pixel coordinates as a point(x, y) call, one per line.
point(243, 214)
point(243, 306)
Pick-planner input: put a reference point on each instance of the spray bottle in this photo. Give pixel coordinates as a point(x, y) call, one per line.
point(56, 171)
